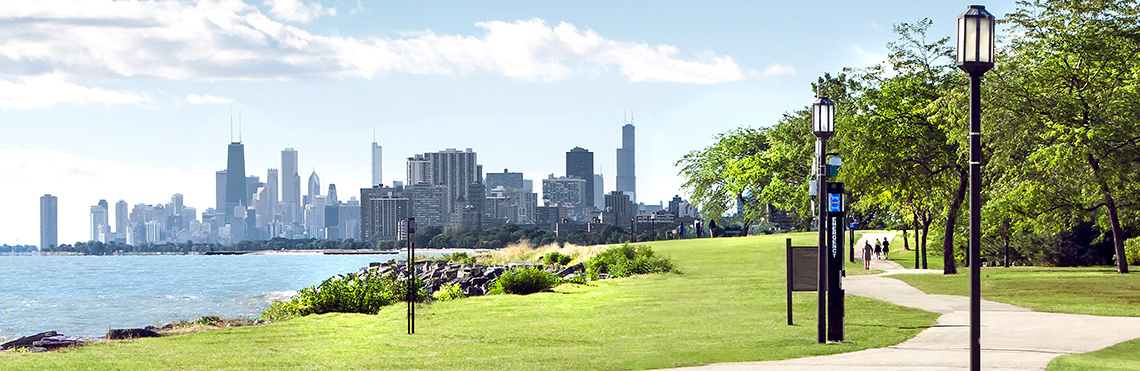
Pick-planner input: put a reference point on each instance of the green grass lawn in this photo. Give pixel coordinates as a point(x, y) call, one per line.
point(727, 306)
point(1121, 357)
point(1097, 290)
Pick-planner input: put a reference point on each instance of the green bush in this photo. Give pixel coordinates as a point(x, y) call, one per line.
point(627, 260)
point(459, 257)
point(555, 257)
point(343, 294)
point(524, 280)
point(448, 292)
point(1132, 250)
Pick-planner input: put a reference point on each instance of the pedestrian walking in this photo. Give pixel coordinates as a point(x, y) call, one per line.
point(866, 255)
point(878, 249)
point(886, 247)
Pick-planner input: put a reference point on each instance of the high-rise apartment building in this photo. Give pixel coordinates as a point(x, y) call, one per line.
point(619, 209)
point(237, 192)
point(626, 168)
point(377, 164)
point(427, 203)
point(381, 212)
point(580, 164)
point(458, 170)
point(290, 186)
point(419, 170)
point(49, 221)
point(511, 182)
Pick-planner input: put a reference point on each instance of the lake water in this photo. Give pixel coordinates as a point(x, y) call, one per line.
point(87, 295)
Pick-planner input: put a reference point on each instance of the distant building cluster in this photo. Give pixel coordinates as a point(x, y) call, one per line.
point(446, 188)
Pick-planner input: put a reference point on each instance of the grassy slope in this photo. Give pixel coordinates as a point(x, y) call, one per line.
point(1121, 357)
point(728, 306)
point(1097, 291)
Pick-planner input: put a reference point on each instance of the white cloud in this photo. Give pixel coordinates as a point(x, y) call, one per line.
point(207, 99)
point(46, 91)
point(778, 70)
point(56, 172)
point(231, 40)
point(297, 11)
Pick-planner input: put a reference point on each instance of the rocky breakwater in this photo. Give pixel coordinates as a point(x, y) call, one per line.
point(52, 340)
point(473, 279)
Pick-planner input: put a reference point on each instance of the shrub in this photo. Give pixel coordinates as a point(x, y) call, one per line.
point(448, 292)
point(627, 260)
point(1132, 250)
point(344, 294)
point(524, 280)
point(555, 257)
point(459, 257)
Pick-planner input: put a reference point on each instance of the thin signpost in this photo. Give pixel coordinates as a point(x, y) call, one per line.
point(411, 276)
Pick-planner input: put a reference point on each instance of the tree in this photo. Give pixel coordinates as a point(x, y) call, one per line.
point(732, 170)
point(1071, 132)
point(899, 144)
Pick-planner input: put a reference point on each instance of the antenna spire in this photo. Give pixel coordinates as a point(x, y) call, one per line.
point(239, 126)
point(631, 117)
point(624, 117)
point(231, 124)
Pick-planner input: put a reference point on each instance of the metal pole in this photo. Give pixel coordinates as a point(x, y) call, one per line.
point(851, 247)
point(821, 198)
point(411, 228)
point(975, 221)
point(788, 280)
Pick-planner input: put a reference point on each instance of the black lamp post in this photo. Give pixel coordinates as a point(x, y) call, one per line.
point(975, 56)
point(823, 126)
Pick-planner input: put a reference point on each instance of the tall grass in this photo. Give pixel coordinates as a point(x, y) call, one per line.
point(522, 252)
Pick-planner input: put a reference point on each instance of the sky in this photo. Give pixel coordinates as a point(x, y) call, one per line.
point(134, 100)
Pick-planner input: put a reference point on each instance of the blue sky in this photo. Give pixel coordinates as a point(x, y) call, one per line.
point(132, 100)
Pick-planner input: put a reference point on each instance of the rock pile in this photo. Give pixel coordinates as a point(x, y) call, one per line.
point(473, 279)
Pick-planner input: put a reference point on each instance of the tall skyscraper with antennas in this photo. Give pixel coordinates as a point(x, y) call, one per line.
point(236, 192)
point(626, 178)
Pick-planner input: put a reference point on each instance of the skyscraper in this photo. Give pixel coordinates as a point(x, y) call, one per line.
point(98, 219)
point(580, 164)
point(314, 185)
point(599, 193)
point(271, 194)
point(237, 192)
point(220, 191)
point(377, 164)
point(419, 170)
point(121, 216)
point(49, 221)
point(626, 173)
point(511, 182)
point(457, 170)
point(332, 195)
point(290, 185)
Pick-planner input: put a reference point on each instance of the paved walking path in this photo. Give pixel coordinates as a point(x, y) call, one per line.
point(1013, 338)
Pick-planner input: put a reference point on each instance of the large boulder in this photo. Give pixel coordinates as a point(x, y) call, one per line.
point(571, 269)
point(26, 341)
point(131, 333)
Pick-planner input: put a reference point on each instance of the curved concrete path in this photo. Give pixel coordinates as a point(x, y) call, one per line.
point(1013, 338)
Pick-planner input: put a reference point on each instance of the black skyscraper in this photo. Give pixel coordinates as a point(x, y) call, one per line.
point(626, 173)
point(236, 192)
point(580, 164)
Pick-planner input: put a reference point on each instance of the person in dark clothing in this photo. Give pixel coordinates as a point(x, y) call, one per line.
point(886, 247)
point(878, 249)
point(866, 255)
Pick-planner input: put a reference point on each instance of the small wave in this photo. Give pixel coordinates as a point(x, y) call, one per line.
point(183, 297)
point(278, 295)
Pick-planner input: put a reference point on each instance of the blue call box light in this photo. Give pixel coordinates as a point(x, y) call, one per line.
point(835, 202)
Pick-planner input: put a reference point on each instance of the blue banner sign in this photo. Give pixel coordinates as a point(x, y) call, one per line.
point(836, 202)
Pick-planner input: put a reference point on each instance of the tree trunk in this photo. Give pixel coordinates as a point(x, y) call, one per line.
point(951, 219)
point(906, 238)
point(917, 251)
point(925, 231)
point(1110, 204)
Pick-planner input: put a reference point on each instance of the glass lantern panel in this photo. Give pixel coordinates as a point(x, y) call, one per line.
point(961, 40)
point(986, 40)
point(971, 36)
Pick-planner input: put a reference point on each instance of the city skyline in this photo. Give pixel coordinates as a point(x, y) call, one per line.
point(76, 125)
